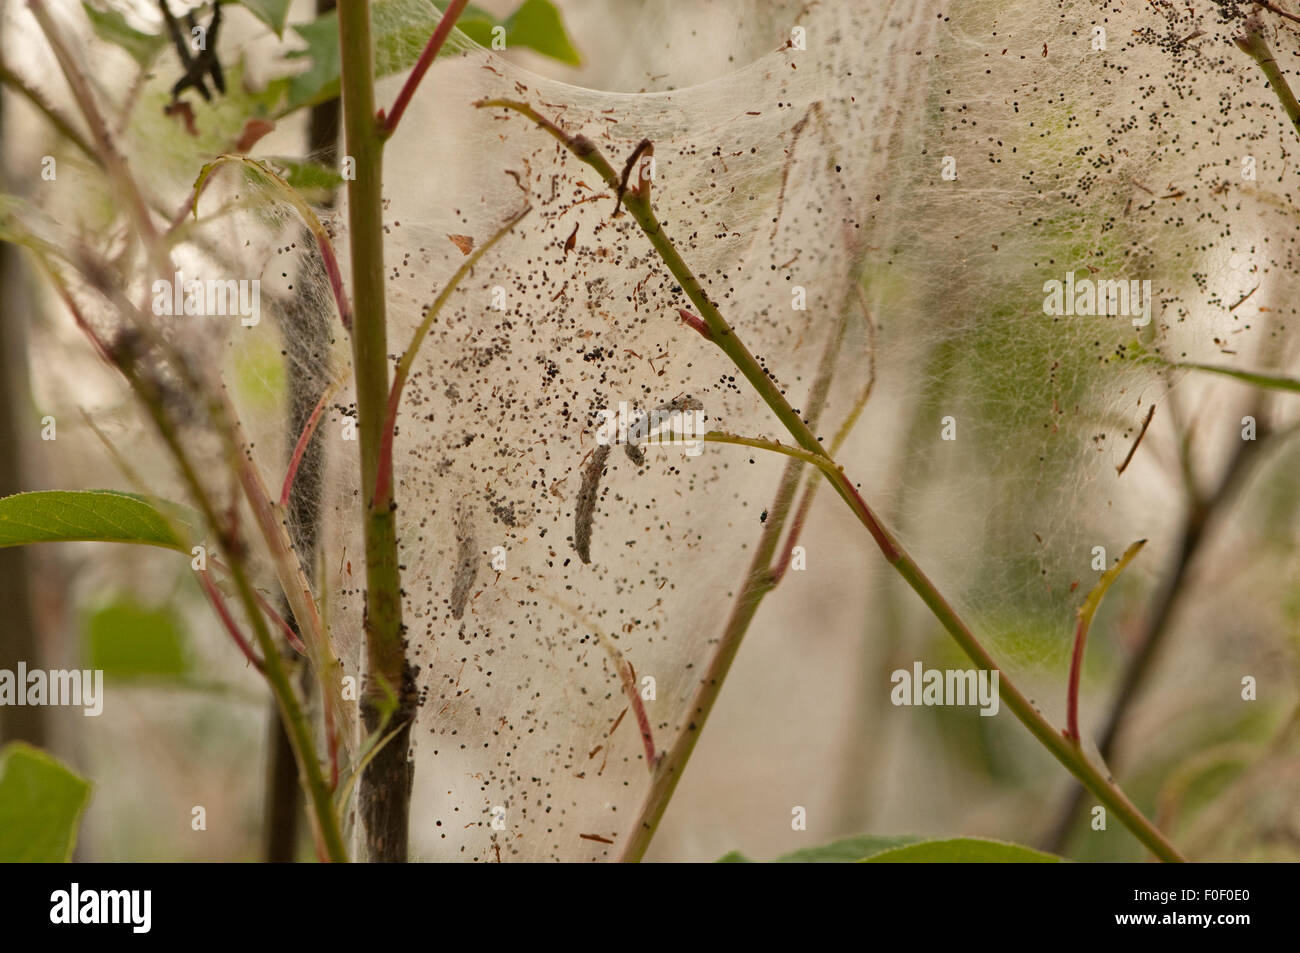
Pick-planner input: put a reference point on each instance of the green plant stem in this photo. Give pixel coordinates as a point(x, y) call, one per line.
point(1254, 43)
point(724, 336)
point(325, 820)
point(113, 160)
point(383, 483)
point(385, 791)
point(1267, 5)
point(328, 831)
point(52, 116)
point(1201, 510)
point(759, 581)
point(761, 578)
point(1086, 613)
point(291, 713)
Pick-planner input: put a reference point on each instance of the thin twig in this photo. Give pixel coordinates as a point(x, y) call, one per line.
point(106, 147)
point(53, 116)
point(300, 448)
point(1274, 8)
point(290, 635)
point(388, 125)
point(323, 243)
point(762, 577)
point(227, 620)
point(383, 482)
point(1254, 43)
point(1151, 412)
point(1086, 613)
point(812, 451)
point(1201, 510)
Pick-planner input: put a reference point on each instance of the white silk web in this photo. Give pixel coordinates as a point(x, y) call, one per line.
point(948, 158)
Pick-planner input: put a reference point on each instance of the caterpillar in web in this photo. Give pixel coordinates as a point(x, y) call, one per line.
point(584, 511)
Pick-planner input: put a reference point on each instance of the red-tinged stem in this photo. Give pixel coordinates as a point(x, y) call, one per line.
point(697, 323)
point(326, 247)
point(275, 617)
point(223, 613)
point(796, 527)
point(335, 276)
point(384, 475)
point(1076, 668)
point(301, 448)
point(628, 674)
point(287, 629)
point(1086, 613)
point(1274, 8)
point(388, 125)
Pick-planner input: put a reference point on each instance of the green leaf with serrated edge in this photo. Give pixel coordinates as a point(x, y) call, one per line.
point(52, 516)
point(274, 13)
point(111, 27)
point(962, 850)
point(846, 851)
point(41, 803)
point(127, 640)
point(537, 24)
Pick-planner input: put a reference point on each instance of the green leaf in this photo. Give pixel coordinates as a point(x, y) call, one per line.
point(476, 23)
point(304, 175)
point(907, 848)
point(111, 27)
point(1255, 378)
point(274, 13)
point(128, 640)
point(321, 79)
point(41, 802)
point(50, 516)
point(735, 857)
point(401, 28)
point(846, 851)
point(962, 850)
point(1137, 352)
point(538, 25)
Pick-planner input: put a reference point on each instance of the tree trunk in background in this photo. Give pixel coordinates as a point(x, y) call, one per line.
point(18, 640)
point(283, 794)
